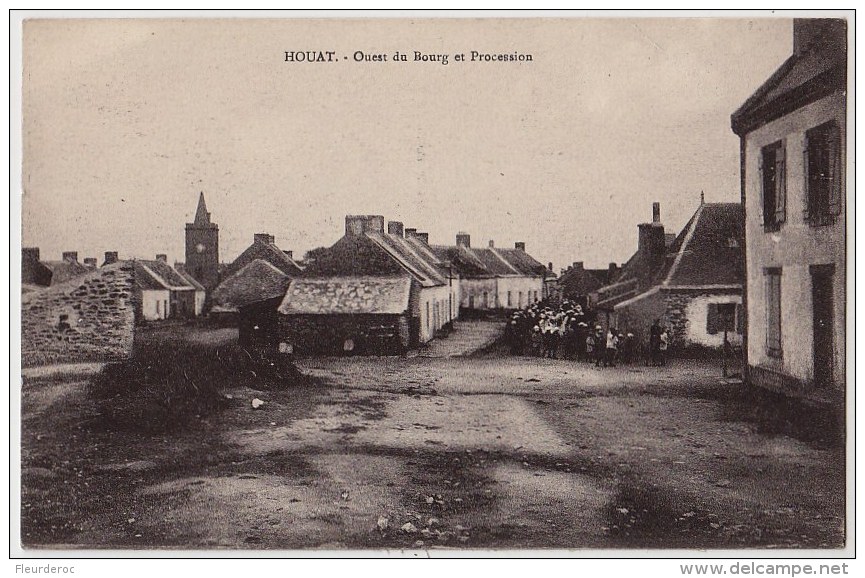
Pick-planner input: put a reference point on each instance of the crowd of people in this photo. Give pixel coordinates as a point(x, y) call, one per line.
point(567, 331)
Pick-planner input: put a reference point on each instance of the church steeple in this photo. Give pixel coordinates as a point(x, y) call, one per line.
point(202, 248)
point(202, 217)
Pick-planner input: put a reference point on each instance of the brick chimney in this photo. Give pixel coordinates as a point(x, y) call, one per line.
point(91, 262)
point(423, 237)
point(808, 32)
point(652, 243)
point(578, 265)
point(549, 265)
point(520, 246)
point(411, 232)
point(29, 264)
point(289, 254)
point(492, 244)
point(110, 257)
point(265, 238)
point(395, 228)
point(162, 257)
point(356, 225)
point(71, 256)
point(464, 239)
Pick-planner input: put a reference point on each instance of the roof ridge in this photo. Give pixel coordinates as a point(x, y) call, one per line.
point(688, 236)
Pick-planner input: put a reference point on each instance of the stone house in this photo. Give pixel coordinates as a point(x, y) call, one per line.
point(87, 318)
point(367, 251)
point(694, 285)
point(493, 278)
point(793, 144)
point(36, 272)
point(352, 314)
point(263, 248)
point(164, 292)
point(576, 282)
point(251, 296)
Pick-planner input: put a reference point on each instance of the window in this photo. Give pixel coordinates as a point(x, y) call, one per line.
point(773, 312)
point(509, 299)
point(773, 179)
point(520, 299)
point(823, 174)
point(536, 296)
point(158, 306)
point(721, 317)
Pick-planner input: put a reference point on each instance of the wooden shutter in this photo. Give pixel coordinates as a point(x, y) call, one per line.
point(762, 187)
point(806, 164)
point(836, 172)
point(780, 184)
point(712, 319)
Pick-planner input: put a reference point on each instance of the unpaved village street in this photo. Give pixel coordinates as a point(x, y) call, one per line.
point(483, 451)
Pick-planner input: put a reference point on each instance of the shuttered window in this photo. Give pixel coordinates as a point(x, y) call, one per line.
point(773, 312)
point(773, 181)
point(740, 319)
point(712, 319)
point(823, 174)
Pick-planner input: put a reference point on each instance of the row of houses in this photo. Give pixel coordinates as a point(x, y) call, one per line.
point(381, 287)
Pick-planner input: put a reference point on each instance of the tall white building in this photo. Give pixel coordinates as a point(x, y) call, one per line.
point(793, 157)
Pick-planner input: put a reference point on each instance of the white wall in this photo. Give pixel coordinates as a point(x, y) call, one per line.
point(149, 300)
point(516, 285)
point(793, 248)
point(476, 288)
point(434, 310)
point(696, 315)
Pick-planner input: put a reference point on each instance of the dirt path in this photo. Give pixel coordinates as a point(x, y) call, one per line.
point(428, 453)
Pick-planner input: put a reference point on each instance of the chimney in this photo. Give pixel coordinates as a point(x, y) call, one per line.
point(656, 213)
point(394, 228)
point(71, 256)
point(90, 262)
point(30, 255)
point(613, 268)
point(289, 254)
point(492, 244)
point(550, 266)
point(110, 257)
point(162, 257)
point(423, 237)
point(808, 32)
point(464, 239)
point(265, 238)
point(356, 225)
point(410, 233)
point(520, 246)
point(578, 265)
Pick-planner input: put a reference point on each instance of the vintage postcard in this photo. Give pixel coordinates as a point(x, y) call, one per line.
point(455, 286)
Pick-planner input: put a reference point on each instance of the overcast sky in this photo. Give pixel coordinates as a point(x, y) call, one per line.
point(125, 121)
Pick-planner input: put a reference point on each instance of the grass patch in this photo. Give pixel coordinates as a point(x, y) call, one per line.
point(170, 381)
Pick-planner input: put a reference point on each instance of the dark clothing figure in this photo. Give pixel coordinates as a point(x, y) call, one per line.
point(655, 343)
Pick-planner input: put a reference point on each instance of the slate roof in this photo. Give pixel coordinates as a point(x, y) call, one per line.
point(711, 254)
point(802, 78)
point(268, 252)
point(347, 295)
point(160, 275)
point(64, 270)
point(490, 262)
point(257, 281)
point(581, 281)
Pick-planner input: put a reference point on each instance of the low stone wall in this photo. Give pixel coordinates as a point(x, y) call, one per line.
point(326, 334)
point(89, 318)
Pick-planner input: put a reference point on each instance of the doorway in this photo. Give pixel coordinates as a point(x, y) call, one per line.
point(822, 305)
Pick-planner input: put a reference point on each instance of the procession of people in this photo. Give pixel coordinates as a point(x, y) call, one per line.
point(568, 331)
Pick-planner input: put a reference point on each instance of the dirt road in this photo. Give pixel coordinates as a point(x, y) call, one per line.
point(487, 452)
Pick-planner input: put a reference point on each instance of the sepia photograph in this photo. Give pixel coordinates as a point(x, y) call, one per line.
point(493, 285)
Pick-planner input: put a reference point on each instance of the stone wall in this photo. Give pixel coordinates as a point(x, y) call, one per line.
point(686, 314)
point(326, 334)
point(89, 318)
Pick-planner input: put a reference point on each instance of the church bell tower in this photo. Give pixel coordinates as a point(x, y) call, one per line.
point(202, 248)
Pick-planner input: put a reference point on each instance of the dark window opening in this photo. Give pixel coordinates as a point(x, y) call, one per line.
point(773, 312)
point(774, 186)
point(823, 174)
